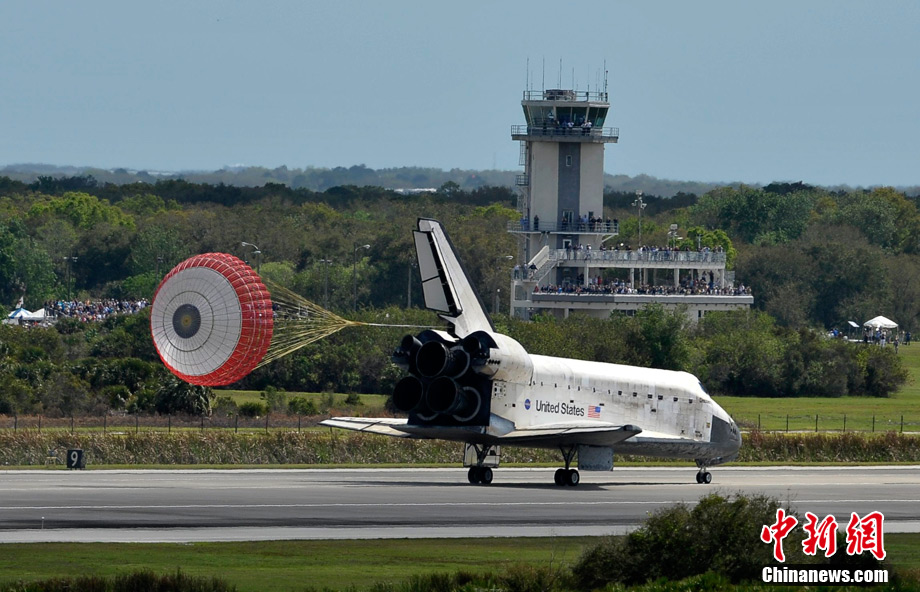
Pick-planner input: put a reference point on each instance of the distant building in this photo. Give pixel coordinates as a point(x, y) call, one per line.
point(568, 246)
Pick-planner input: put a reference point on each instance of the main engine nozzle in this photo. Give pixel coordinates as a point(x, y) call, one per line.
point(408, 394)
point(404, 354)
point(435, 359)
point(446, 396)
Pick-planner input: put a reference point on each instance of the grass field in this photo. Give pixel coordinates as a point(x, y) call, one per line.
point(295, 565)
point(288, 565)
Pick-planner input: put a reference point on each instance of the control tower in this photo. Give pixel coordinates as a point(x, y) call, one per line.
point(561, 199)
point(566, 241)
point(562, 152)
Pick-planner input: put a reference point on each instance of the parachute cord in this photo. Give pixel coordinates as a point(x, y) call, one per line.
point(299, 322)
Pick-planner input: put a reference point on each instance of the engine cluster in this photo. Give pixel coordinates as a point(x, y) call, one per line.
point(445, 376)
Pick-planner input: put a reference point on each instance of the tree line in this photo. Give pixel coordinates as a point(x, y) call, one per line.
point(75, 368)
point(814, 259)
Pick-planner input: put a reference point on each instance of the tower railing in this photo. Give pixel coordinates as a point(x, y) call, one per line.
point(558, 94)
point(551, 129)
point(660, 256)
point(574, 227)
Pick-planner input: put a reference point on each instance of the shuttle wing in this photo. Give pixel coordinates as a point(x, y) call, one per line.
point(446, 287)
point(374, 425)
point(563, 434)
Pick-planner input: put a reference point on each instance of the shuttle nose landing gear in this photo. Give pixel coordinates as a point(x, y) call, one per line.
point(703, 476)
point(567, 476)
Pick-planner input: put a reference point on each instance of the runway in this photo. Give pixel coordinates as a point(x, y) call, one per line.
point(224, 505)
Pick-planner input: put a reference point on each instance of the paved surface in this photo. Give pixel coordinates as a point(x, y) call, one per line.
point(190, 505)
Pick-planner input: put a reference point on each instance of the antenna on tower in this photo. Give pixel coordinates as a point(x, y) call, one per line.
point(527, 78)
point(605, 79)
point(559, 83)
point(544, 74)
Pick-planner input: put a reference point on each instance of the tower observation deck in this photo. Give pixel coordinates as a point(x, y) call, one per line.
point(566, 241)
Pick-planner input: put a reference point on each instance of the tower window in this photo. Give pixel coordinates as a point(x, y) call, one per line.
point(568, 161)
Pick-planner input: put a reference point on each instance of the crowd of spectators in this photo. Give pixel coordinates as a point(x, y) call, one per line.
point(596, 286)
point(89, 310)
point(649, 253)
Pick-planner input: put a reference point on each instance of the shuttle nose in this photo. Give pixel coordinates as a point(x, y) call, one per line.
point(726, 434)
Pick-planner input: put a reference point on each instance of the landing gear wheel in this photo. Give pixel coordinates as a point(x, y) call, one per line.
point(485, 475)
point(572, 477)
point(707, 477)
point(559, 478)
point(699, 477)
point(474, 475)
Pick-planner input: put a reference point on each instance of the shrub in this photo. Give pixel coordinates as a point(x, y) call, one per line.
point(719, 534)
point(252, 409)
point(274, 399)
point(225, 406)
point(141, 580)
point(327, 402)
point(302, 406)
point(116, 395)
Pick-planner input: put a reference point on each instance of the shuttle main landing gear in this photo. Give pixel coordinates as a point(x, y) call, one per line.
point(479, 473)
point(567, 476)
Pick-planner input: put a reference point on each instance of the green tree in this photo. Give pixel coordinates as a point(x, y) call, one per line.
point(175, 396)
point(738, 353)
point(754, 215)
point(83, 210)
point(655, 337)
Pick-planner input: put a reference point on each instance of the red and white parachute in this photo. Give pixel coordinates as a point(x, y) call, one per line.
point(211, 319)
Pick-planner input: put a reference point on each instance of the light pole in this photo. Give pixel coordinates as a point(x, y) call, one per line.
point(256, 251)
point(71, 260)
point(354, 270)
point(326, 263)
point(672, 236)
point(640, 206)
point(498, 291)
point(412, 265)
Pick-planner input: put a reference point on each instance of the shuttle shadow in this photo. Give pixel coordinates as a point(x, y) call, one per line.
point(498, 484)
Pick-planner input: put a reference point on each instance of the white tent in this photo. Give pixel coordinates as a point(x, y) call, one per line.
point(21, 314)
point(38, 315)
point(880, 323)
point(17, 314)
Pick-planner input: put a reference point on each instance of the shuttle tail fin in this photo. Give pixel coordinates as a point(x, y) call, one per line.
point(445, 284)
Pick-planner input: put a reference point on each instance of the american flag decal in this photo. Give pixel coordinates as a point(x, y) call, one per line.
point(594, 411)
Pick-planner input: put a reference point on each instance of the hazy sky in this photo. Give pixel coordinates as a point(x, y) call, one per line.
point(821, 91)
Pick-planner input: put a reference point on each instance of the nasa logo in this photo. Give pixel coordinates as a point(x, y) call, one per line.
point(527, 404)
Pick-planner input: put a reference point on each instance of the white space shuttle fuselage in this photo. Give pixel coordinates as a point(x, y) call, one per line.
point(474, 385)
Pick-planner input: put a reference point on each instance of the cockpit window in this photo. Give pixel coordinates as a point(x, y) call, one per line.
point(703, 388)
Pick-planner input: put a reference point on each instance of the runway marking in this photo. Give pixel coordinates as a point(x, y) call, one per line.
point(425, 505)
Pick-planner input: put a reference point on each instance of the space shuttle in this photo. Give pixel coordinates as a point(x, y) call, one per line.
point(473, 385)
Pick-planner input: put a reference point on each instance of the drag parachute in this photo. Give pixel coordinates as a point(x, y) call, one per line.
point(211, 320)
